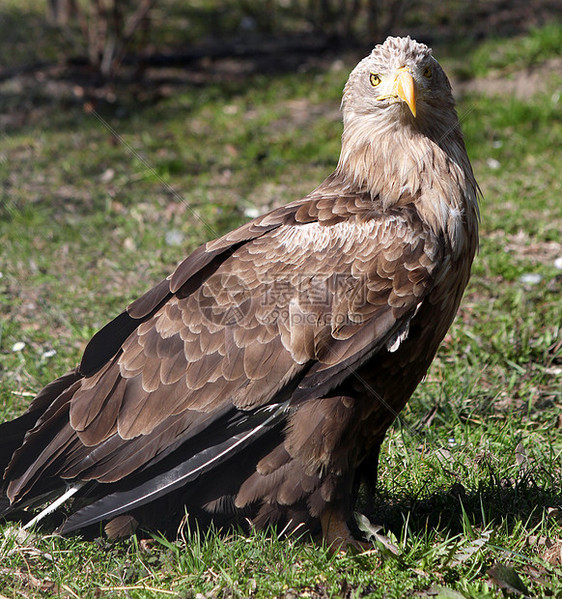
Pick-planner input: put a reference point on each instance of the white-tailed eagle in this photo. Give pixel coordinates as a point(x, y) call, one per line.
point(259, 379)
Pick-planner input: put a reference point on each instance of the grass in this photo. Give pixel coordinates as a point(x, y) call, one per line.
point(95, 210)
point(540, 44)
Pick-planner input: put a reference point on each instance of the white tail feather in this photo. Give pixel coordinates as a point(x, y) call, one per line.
point(54, 505)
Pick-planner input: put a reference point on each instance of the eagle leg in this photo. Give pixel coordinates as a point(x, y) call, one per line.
point(325, 439)
point(336, 533)
point(366, 478)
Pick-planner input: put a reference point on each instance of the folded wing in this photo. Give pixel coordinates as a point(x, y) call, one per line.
point(249, 326)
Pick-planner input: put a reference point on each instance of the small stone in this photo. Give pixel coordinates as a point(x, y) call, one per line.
point(18, 346)
point(493, 164)
point(531, 278)
point(108, 175)
point(251, 212)
point(174, 237)
point(129, 244)
point(557, 264)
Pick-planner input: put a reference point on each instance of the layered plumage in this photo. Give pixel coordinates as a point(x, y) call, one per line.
point(259, 379)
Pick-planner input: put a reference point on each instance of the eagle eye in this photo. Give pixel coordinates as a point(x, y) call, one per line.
point(428, 73)
point(374, 79)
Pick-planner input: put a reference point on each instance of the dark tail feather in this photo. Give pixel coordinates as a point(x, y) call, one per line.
point(4, 505)
point(12, 433)
point(159, 483)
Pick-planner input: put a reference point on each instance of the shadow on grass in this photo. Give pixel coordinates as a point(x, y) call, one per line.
point(449, 511)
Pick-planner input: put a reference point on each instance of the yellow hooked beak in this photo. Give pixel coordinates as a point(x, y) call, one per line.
point(404, 88)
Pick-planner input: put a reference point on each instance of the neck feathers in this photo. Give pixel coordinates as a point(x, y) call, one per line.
point(397, 164)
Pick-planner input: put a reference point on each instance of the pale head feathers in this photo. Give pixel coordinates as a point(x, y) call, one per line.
point(399, 158)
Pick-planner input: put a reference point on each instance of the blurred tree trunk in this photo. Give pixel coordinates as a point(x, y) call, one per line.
point(346, 21)
point(350, 20)
point(107, 26)
point(60, 12)
point(383, 17)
